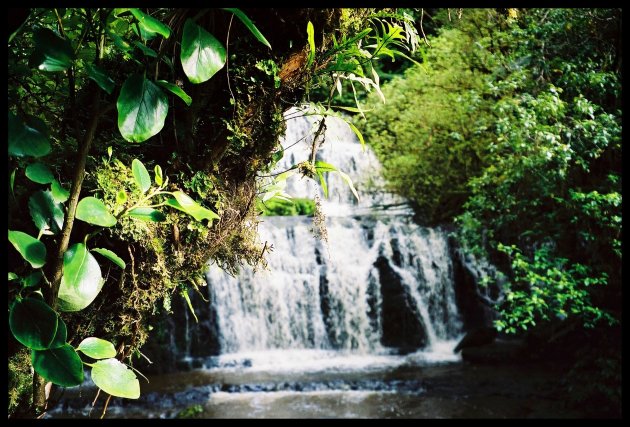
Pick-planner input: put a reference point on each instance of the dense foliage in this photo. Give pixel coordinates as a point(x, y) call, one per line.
point(513, 129)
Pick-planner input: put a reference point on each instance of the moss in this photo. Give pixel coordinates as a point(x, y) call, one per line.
point(297, 206)
point(20, 382)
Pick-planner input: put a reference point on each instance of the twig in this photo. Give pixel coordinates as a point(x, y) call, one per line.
point(227, 64)
point(424, 36)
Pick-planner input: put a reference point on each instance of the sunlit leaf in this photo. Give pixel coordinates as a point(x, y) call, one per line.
point(249, 24)
point(81, 281)
point(110, 256)
point(142, 109)
point(184, 203)
point(33, 323)
point(61, 366)
point(97, 348)
point(158, 175)
point(141, 175)
point(201, 55)
point(31, 249)
point(59, 193)
point(94, 211)
point(310, 32)
point(113, 377)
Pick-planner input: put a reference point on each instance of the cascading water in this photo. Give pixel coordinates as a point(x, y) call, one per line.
point(380, 282)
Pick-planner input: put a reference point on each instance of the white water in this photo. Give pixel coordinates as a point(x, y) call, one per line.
point(323, 301)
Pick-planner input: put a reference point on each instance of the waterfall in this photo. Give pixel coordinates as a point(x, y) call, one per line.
point(381, 281)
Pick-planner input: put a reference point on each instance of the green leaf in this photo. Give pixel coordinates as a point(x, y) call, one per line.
point(322, 182)
point(59, 193)
point(101, 78)
point(52, 53)
point(45, 212)
point(141, 175)
point(185, 204)
point(61, 366)
point(113, 377)
point(33, 323)
point(310, 32)
point(249, 24)
point(147, 51)
point(158, 175)
point(61, 336)
point(112, 257)
point(150, 24)
point(31, 249)
point(176, 90)
point(142, 109)
point(201, 54)
point(121, 197)
point(81, 281)
point(12, 181)
point(348, 181)
point(97, 348)
point(39, 173)
point(147, 214)
point(358, 133)
point(32, 279)
point(27, 139)
point(12, 276)
point(93, 211)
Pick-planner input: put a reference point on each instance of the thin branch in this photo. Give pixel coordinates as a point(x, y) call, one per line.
point(424, 36)
point(227, 64)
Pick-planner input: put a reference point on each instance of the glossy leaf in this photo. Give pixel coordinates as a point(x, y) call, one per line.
point(12, 276)
point(97, 348)
point(81, 281)
point(61, 366)
point(147, 51)
point(52, 53)
point(27, 139)
point(147, 214)
point(59, 193)
point(45, 212)
point(358, 134)
point(101, 78)
point(39, 173)
point(201, 55)
point(249, 24)
point(176, 90)
point(113, 377)
point(110, 256)
point(94, 211)
point(33, 323)
point(61, 336)
point(150, 24)
point(184, 203)
point(142, 109)
point(141, 175)
point(31, 249)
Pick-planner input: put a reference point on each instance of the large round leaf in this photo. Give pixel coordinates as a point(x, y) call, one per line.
point(31, 249)
point(52, 53)
point(142, 109)
point(202, 55)
point(93, 211)
point(141, 175)
point(81, 281)
point(27, 139)
point(46, 213)
point(61, 366)
point(39, 173)
point(97, 348)
point(115, 378)
point(33, 323)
